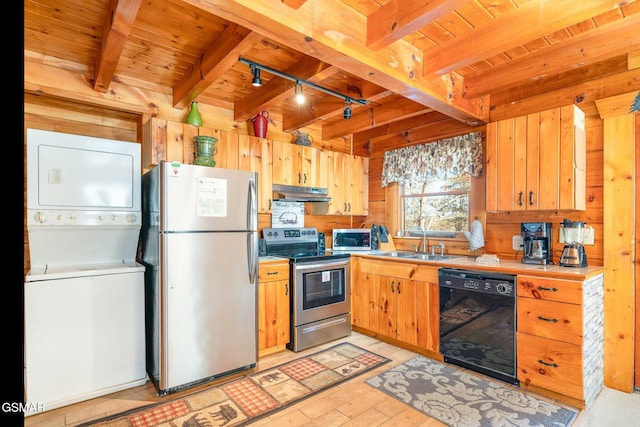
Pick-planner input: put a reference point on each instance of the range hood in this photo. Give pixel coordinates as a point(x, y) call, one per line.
point(293, 193)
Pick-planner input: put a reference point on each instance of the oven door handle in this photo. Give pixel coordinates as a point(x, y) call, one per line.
point(322, 265)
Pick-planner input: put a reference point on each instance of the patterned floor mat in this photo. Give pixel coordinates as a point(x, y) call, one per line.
point(257, 395)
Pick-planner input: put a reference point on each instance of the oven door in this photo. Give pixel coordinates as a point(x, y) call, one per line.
point(320, 290)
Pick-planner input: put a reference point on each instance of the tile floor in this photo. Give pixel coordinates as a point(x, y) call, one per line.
point(352, 403)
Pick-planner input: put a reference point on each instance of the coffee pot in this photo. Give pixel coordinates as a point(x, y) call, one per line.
point(573, 254)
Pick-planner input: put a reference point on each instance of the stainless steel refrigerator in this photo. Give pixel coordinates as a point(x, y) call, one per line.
point(199, 244)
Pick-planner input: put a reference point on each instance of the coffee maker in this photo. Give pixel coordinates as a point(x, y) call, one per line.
point(536, 239)
point(573, 254)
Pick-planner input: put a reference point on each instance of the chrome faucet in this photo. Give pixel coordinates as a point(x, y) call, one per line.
point(424, 238)
point(441, 248)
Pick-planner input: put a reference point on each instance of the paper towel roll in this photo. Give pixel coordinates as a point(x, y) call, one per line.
point(475, 236)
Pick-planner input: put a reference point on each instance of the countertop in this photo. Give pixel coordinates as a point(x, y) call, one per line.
point(508, 266)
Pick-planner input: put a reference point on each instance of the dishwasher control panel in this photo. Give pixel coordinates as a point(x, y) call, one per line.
point(478, 281)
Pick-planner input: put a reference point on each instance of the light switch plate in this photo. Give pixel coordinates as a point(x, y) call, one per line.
point(517, 242)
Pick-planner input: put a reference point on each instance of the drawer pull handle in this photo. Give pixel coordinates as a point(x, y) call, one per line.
point(286, 289)
point(554, 365)
point(520, 199)
point(271, 273)
point(547, 320)
point(540, 288)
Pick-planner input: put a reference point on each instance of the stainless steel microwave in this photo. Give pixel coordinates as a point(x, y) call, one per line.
point(351, 239)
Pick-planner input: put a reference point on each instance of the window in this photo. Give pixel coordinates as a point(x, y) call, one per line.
point(435, 182)
point(437, 205)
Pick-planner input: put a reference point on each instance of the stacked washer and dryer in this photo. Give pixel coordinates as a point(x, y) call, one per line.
point(84, 294)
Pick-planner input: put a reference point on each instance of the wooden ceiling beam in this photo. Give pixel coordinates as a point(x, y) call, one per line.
point(278, 89)
point(294, 3)
point(116, 29)
point(339, 39)
point(535, 19)
point(221, 55)
point(370, 116)
point(599, 70)
point(399, 18)
point(583, 95)
point(429, 132)
point(581, 50)
point(327, 107)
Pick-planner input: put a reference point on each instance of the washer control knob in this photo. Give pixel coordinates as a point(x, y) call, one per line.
point(40, 217)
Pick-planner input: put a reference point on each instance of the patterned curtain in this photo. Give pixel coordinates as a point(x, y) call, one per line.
point(447, 157)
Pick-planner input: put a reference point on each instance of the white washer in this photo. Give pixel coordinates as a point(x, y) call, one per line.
point(84, 294)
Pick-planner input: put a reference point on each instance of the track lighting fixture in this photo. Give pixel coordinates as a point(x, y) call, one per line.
point(257, 82)
point(299, 95)
point(347, 109)
point(255, 70)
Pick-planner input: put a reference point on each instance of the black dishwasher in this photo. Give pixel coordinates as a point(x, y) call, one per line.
point(477, 321)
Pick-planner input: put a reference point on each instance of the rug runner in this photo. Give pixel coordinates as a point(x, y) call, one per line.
point(256, 395)
point(462, 399)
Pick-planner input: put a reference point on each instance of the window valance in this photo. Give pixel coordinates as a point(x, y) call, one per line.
point(446, 157)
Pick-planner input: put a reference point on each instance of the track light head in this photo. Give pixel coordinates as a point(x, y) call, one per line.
point(347, 109)
point(299, 95)
point(257, 81)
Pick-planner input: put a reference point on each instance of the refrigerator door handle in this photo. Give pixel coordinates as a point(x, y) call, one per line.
point(252, 258)
point(252, 207)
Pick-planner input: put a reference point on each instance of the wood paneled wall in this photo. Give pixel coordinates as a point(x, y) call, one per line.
point(499, 228)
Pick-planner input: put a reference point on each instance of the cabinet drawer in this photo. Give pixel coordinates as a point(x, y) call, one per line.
point(271, 272)
point(550, 364)
point(549, 289)
point(550, 319)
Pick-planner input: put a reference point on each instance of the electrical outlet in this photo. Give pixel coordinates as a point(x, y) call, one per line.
point(517, 242)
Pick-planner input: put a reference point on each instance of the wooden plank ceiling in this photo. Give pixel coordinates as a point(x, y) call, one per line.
point(424, 67)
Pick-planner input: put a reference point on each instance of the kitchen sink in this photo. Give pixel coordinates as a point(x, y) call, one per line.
point(415, 255)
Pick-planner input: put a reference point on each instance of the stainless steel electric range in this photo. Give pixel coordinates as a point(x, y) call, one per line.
point(320, 286)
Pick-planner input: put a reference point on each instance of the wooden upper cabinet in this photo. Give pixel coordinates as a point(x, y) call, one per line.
point(298, 165)
point(537, 162)
point(173, 141)
point(348, 181)
point(255, 155)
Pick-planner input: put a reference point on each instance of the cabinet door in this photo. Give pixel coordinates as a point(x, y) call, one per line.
point(338, 175)
point(550, 364)
point(359, 180)
point(407, 328)
point(550, 319)
point(255, 156)
point(299, 165)
point(537, 162)
point(549, 160)
point(427, 315)
point(284, 161)
point(314, 164)
point(364, 296)
point(386, 306)
point(273, 316)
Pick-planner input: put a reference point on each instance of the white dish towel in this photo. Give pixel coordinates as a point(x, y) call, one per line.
point(475, 236)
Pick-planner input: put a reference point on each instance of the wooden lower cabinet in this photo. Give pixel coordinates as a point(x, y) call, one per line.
point(560, 337)
point(273, 307)
point(388, 302)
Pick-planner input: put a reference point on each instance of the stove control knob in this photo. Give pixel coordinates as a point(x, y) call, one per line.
point(40, 217)
point(131, 218)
